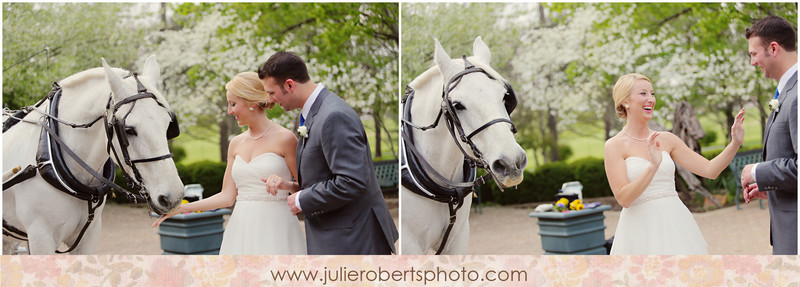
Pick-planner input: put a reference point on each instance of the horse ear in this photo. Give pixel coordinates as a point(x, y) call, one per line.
point(480, 50)
point(118, 87)
point(443, 61)
point(151, 70)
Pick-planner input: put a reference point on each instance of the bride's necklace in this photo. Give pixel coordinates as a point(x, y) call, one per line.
point(262, 134)
point(635, 138)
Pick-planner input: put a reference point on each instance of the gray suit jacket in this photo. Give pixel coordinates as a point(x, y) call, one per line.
point(777, 175)
point(342, 203)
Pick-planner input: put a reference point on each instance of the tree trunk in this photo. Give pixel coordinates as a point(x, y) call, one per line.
point(729, 119)
point(378, 125)
point(226, 128)
point(542, 131)
point(552, 124)
point(686, 127)
point(609, 117)
point(223, 139)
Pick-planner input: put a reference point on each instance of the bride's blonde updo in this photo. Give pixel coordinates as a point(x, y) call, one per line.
point(622, 90)
point(248, 87)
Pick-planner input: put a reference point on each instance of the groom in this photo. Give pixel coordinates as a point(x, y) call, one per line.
point(772, 43)
point(339, 196)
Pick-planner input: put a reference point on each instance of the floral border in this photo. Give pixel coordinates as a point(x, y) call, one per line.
point(154, 270)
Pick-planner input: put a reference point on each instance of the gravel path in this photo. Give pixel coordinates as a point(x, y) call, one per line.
point(505, 230)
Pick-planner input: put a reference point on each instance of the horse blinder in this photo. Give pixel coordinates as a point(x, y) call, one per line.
point(173, 130)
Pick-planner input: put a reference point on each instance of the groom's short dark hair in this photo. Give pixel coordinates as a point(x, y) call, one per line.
point(774, 29)
point(284, 65)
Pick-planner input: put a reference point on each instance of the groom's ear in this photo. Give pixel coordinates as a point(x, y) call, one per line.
point(289, 83)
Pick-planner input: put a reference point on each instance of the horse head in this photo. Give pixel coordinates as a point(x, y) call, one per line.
point(481, 102)
point(142, 122)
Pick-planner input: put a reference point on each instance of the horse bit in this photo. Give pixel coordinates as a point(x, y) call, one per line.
point(452, 193)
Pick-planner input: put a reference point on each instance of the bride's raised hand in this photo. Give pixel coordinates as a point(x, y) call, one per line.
point(737, 130)
point(654, 146)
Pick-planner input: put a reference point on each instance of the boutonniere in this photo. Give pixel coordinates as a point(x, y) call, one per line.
point(774, 104)
point(302, 131)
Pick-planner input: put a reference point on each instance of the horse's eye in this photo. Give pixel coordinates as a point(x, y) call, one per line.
point(130, 131)
point(458, 106)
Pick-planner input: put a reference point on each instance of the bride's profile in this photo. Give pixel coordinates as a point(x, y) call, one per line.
point(641, 172)
point(261, 223)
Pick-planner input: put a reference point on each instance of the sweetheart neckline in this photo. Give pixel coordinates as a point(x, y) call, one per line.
point(255, 157)
point(639, 157)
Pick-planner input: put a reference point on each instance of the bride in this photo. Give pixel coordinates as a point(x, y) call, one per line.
point(641, 172)
point(261, 223)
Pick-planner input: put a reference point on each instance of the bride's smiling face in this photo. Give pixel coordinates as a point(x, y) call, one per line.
point(642, 100)
point(237, 107)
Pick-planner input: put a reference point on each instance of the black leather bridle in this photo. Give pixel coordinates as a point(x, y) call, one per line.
point(419, 177)
point(117, 127)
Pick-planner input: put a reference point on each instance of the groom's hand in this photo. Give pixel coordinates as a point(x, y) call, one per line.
point(292, 207)
point(747, 175)
point(752, 192)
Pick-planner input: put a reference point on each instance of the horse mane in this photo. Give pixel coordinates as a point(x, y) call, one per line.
point(99, 73)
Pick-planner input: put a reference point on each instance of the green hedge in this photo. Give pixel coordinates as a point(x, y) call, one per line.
point(207, 173)
point(543, 184)
point(591, 173)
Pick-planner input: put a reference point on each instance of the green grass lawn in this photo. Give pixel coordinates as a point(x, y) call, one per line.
point(201, 143)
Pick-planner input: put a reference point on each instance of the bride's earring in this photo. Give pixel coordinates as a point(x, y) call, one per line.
point(252, 109)
point(626, 106)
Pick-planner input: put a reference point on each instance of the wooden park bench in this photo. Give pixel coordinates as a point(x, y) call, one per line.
point(737, 164)
point(387, 173)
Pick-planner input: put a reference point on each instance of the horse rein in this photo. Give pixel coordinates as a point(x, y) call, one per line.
point(452, 193)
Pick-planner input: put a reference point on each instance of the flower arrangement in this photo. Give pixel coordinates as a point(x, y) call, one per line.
point(564, 205)
point(774, 104)
point(302, 131)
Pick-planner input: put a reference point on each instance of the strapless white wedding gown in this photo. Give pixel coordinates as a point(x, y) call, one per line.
point(657, 223)
point(261, 224)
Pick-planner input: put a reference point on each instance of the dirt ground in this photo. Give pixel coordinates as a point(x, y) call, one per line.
point(495, 230)
point(728, 231)
point(127, 231)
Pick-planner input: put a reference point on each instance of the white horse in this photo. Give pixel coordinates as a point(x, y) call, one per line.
point(50, 216)
point(482, 101)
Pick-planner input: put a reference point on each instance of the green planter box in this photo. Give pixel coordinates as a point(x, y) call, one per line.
point(575, 232)
point(193, 233)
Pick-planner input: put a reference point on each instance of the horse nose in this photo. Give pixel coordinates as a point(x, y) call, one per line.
point(522, 161)
point(506, 166)
point(164, 201)
point(501, 166)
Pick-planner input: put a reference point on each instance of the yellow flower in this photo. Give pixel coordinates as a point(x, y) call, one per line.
point(576, 205)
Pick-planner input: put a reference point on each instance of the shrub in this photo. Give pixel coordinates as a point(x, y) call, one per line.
point(524, 192)
point(564, 152)
point(207, 173)
point(591, 173)
point(710, 138)
point(178, 153)
point(549, 177)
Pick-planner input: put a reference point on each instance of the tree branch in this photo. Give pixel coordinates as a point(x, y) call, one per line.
point(298, 25)
point(674, 16)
